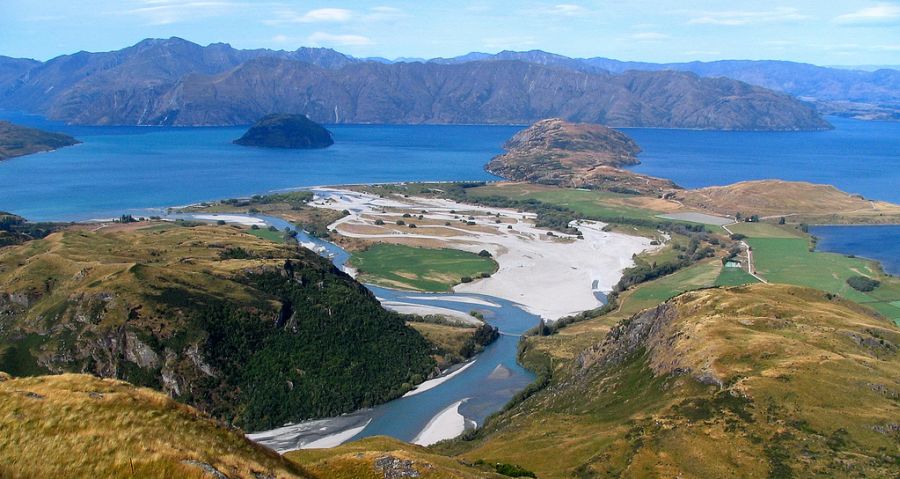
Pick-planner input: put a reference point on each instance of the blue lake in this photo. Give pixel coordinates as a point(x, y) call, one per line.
point(137, 169)
point(857, 156)
point(130, 169)
point(880, 243)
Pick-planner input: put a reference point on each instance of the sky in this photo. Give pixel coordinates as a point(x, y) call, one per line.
point(823, 32)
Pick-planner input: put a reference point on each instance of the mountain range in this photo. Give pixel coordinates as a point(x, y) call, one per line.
point(176, 82)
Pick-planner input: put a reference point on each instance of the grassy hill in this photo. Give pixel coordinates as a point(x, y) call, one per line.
point(18, 140)
point(76, 425)
point(798, 202)
point(556, 152)
point(754, 381)
point(246, 329)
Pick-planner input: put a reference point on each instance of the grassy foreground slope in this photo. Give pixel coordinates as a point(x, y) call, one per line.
point(751, 381)
point(76, 425)
point(383, 457)
point(248, 330)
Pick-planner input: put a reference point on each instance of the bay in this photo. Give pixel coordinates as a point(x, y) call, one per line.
point(860, 157)
point(881, 243)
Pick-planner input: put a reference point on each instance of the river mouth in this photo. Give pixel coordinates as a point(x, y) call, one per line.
point(477, 388)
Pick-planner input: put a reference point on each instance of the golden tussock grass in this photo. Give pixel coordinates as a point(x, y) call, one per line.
point(80, 426)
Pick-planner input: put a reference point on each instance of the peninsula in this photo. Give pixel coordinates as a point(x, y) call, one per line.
point(16, 140)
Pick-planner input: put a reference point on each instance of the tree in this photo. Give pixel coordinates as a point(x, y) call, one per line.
point(484, 253)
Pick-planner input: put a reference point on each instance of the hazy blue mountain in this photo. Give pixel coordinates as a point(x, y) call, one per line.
point(176, 82)
point(839, 90)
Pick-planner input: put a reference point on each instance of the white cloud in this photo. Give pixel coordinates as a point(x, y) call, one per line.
point(741, 17)
point(320, 15)
point(329, 39)
point(649, 36)
point(880, 14)
point(336, 15)
point(559, 10)
point(704, 53)
point(379, 14)
point(164, 12)
point(508, 43)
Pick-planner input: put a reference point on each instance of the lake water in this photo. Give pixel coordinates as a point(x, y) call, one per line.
point(857, 156)
point(130, 169)
point(138, 170)
point(880, 243)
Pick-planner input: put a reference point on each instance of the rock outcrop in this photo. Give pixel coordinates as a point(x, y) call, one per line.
point(556, 152)
point(286, 131)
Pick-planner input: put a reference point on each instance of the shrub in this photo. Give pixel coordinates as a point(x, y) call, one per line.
point(220, 222)
point(400, 222)
point(484, 253)
point(862, 283)
point(465, 279)
point(379, 222)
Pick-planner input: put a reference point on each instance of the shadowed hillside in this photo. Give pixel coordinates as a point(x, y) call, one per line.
point(175, 82)
point(249, 330)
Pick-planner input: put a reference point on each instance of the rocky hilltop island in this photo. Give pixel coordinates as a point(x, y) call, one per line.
point(18, 140)
point(287, 131)
point(557, 152)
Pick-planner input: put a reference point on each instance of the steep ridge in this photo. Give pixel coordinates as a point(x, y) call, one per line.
point(842, 91)
point(174, 82)
point(250, 331)
point(11, 69)
point(714, 383)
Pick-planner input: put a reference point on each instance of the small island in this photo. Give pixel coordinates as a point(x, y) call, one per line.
point(579, 155)
point(16, 140)
point(286, 131)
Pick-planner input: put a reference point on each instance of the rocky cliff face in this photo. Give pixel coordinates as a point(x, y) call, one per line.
point(556, 152)
point(173, 82)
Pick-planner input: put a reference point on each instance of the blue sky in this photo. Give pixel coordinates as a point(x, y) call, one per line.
point(825, 32)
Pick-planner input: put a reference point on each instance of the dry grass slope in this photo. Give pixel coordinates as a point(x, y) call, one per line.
point(756, 381)
point(384, 457)
point(797, 201)
point(79, 426)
